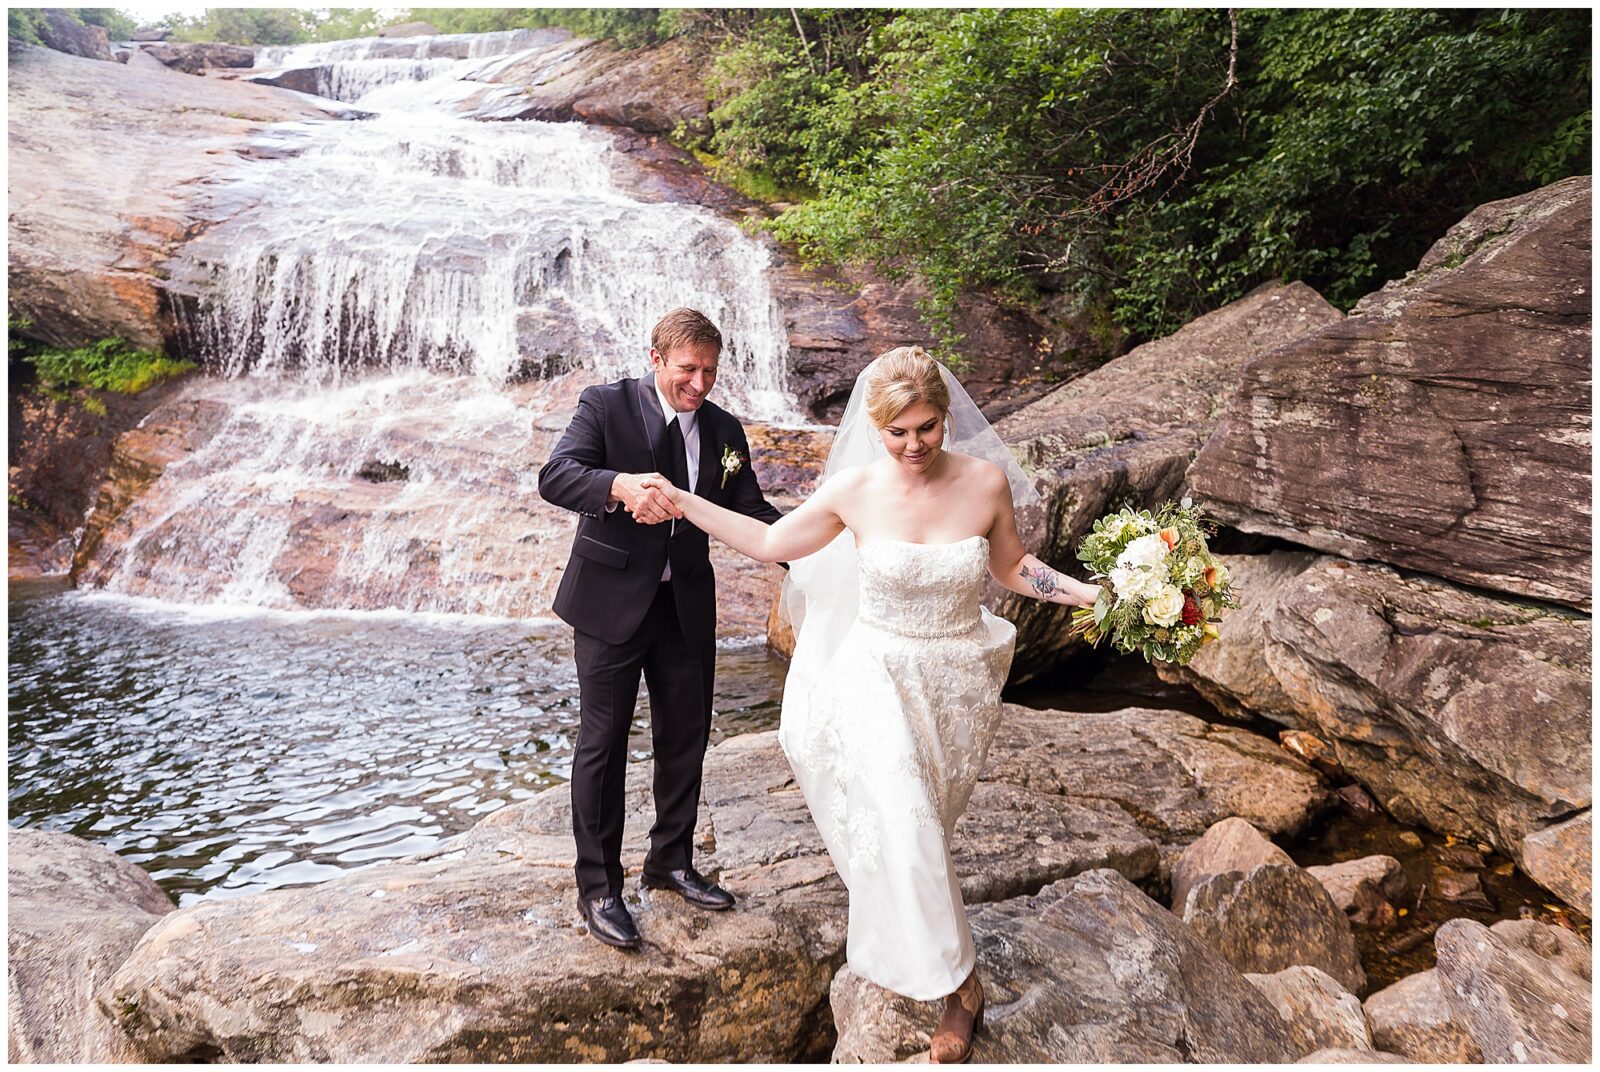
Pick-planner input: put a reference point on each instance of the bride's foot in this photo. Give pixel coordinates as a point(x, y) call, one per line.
point(963, 1016)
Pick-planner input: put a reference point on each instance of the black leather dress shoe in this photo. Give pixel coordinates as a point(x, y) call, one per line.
point(691, 885)
point(609, 921)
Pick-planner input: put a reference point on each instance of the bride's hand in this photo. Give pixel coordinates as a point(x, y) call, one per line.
point(674, 494)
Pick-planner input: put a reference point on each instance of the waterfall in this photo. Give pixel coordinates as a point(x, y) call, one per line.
point(412, 291)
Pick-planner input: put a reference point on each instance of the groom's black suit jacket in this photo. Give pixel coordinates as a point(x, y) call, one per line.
point(616, 562)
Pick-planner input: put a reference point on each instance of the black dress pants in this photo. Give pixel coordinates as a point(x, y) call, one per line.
point(679, 678)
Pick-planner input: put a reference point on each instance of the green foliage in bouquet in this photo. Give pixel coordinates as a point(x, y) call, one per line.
point(1163, 592)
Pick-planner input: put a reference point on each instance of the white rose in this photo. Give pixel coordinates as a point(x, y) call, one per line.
point(1166, 607)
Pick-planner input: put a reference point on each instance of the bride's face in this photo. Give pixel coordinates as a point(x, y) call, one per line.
point(914, 436)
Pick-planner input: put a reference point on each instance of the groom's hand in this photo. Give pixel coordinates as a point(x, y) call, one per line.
point(640, 494)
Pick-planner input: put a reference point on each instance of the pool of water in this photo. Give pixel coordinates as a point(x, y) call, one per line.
point(232, 751)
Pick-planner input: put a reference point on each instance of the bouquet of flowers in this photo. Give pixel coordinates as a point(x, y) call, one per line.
point(1163, 592)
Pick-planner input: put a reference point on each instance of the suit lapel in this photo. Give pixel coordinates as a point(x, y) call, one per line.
point(654, 425)
point(710, 454)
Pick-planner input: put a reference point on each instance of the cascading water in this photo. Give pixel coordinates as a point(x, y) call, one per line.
point(411, 291)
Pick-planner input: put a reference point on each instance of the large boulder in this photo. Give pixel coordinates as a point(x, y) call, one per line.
point(1444, 425)
point(1128, 431)
point(199, 56)
point(1459, 711)
point(74, 911)
point(1319, 1012)
point(1412, 1018)
point(1561, 859)
point(87, 244)
point(1174, 774)
point(1088, 971)
point(64, 33)
point(1522, 989)
point(652, 90)
point(1272, 917)
point(1231, 845)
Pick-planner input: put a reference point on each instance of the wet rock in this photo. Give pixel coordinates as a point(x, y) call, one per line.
point(1479, 362)
point(1560, 858)
point(1411, 1018)
point(382, 472)
point(1088, 971)
point(1320, 1013)
point(1230, 845)
point(1272, 917)
point(1364, 888)
point(74, 912)
point(59, 451)
point(651, 90)
point(64, 33)
point(1522, 989)
point(1128, 431)
point(308, 80)
point(1458, 711)
point(86, 246)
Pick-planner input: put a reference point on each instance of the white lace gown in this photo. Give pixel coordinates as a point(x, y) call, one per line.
point(886, 741)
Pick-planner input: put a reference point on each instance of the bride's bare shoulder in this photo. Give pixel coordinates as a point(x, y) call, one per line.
point(972, 469)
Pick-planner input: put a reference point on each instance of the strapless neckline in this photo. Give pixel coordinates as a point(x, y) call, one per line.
point(909, 543)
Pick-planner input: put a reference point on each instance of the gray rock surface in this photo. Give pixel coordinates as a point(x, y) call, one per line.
point(1351, 1057)
point(1523, 990)
point(85, 254)
point(1412, 1018)
point(1089, 971)
point(1230, 845)
point(1128, 431)
point(1561, 859)
point(64, 33)
point(1479, 363)
point(1320, 1013)
point(74, 911)
point(1364, 888)
point(435, 957)
point(1272, 917)
point(1458, 711)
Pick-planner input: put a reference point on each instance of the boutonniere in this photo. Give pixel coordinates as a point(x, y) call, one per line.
point(731, 464)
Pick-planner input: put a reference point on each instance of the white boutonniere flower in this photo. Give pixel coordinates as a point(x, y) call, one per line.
point(731, 464)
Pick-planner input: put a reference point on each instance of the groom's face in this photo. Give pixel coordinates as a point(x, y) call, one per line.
point(685, 373)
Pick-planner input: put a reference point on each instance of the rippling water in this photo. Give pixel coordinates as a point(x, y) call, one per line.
point(229, 751)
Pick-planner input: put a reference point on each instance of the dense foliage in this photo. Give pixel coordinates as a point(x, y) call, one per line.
point(22, 23)
point(1158, 163)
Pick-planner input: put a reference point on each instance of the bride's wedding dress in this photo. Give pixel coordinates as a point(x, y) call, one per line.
point(886, 732)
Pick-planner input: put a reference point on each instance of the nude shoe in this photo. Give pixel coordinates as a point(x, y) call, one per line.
point(952, 1039)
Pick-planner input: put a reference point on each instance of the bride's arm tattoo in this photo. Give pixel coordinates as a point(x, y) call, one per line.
point(1043, 580)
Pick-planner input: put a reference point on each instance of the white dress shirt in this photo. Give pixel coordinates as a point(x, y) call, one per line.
point(691, 447)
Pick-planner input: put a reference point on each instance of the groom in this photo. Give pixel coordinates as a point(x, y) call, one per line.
point(640, 595)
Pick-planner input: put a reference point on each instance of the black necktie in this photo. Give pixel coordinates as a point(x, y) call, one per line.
point(677, 454)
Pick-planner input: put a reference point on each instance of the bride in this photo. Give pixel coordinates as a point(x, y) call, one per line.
point(893, 695)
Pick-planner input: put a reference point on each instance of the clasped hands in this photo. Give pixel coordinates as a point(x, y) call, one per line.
point(650, 497)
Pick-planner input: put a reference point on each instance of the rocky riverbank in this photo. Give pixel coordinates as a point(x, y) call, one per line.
point(1083, 827)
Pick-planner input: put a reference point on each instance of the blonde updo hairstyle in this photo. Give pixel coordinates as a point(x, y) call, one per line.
point(905, 376)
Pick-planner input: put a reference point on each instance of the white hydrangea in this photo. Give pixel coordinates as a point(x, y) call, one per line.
point(1150, 551)
point(1166, 607)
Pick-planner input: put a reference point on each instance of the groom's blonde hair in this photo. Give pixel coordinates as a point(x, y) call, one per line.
point(905, 376)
